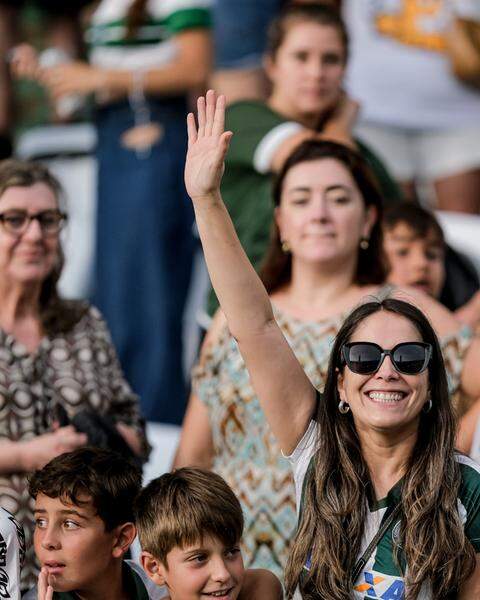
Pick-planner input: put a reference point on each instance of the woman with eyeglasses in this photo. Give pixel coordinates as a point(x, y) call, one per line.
point(56, 357)
point(387, 509)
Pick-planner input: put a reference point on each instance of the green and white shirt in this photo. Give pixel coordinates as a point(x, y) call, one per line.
point(381, 577)
point(152, 44)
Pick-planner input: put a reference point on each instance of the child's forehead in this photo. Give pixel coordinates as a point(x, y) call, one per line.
point(404, 232)
point(85, 506)
point(205, 542)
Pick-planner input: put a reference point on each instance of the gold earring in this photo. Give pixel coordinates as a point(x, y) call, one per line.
point(364, 243)
point(285, 247)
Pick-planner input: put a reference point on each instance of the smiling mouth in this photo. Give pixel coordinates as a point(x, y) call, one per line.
point(386, 397)
point(220, 593)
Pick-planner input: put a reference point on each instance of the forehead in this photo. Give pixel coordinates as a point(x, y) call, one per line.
point(300, 32)
point(58, 505)
point(32, 198)
point(319, 173)
point(386, 329)
point(402, 232)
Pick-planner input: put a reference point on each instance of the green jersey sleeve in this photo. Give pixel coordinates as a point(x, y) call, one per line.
point(469, 499)
point(257, 133)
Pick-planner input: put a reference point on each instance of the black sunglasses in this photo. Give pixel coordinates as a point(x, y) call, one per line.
point(364, 358)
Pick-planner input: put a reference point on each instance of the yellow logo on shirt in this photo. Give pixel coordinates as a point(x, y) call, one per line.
point(419, 23)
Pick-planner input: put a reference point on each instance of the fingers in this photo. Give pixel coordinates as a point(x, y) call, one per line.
point(211, 109)
point(191, 129)
point(201, 116)
point(219, 121)
point(42, 587)
point(225, 141)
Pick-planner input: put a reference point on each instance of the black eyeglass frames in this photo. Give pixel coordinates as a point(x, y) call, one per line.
point(365, 358)
point(18, 221)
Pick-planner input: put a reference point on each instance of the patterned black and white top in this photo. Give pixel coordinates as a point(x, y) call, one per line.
point(12, 554)
point(78, 369)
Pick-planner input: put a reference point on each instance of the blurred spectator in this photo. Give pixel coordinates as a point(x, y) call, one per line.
point(415, 113)
point(305, 62)
point(240, 42)
point(63, 32)
point(57, 362)
point(415, 248)
point(145, 55)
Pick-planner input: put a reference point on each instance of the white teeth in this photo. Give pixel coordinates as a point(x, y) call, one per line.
point(386, 396)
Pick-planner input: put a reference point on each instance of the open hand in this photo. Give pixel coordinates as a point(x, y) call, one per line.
point(72, 78)
point(207, 147)
point(37, 452)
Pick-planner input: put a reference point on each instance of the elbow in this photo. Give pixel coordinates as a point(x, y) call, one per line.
point(252, 329)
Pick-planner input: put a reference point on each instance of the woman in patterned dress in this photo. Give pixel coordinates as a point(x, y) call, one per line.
point(52, 352)
point(324, 258)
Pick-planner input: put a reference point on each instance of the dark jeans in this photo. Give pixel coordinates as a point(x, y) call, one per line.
point(144, 254)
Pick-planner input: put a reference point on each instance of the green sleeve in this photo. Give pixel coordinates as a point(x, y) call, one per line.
point(188, 18)
point(250, 123)
point(469, 496)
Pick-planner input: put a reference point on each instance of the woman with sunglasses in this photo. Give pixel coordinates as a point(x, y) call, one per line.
point(381, 436)
point(324, 256)
point(56, 357)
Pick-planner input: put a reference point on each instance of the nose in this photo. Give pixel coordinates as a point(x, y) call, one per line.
point(316, 68)
point(419, 260)
point(33, 231)
point(320, 210)
point(387, 371)
point(50, 539)
point(220, 572)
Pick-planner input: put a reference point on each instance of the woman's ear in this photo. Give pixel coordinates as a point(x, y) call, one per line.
point(124, 536)
point(154, 568)
point(278, 217)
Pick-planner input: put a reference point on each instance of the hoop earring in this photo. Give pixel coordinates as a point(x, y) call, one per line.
point(427, 407)
point(364, 243)
point(343, 407)
point(285, 247)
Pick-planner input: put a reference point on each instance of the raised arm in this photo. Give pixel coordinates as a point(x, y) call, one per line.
point(285, 392)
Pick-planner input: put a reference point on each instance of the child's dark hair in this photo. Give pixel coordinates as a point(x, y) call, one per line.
point(322, 14)
point(420, 220)
point(183, 507)
point(104, 477)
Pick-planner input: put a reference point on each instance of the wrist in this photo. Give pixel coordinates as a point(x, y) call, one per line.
point(22, 456)
point(208, 198)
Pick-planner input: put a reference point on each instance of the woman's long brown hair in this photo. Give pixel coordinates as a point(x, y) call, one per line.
point(432, 539)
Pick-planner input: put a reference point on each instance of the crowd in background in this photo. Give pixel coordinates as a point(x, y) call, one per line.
point(352, 124)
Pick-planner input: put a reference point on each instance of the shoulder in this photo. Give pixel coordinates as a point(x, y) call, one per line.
point(9, 525)
point(261, 584)
point(249, 109)
point(12, 534)
point(470, 476)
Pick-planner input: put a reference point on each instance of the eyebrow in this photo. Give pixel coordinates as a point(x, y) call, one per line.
point(330, 188)
point(62, 512)
point(411, 238)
